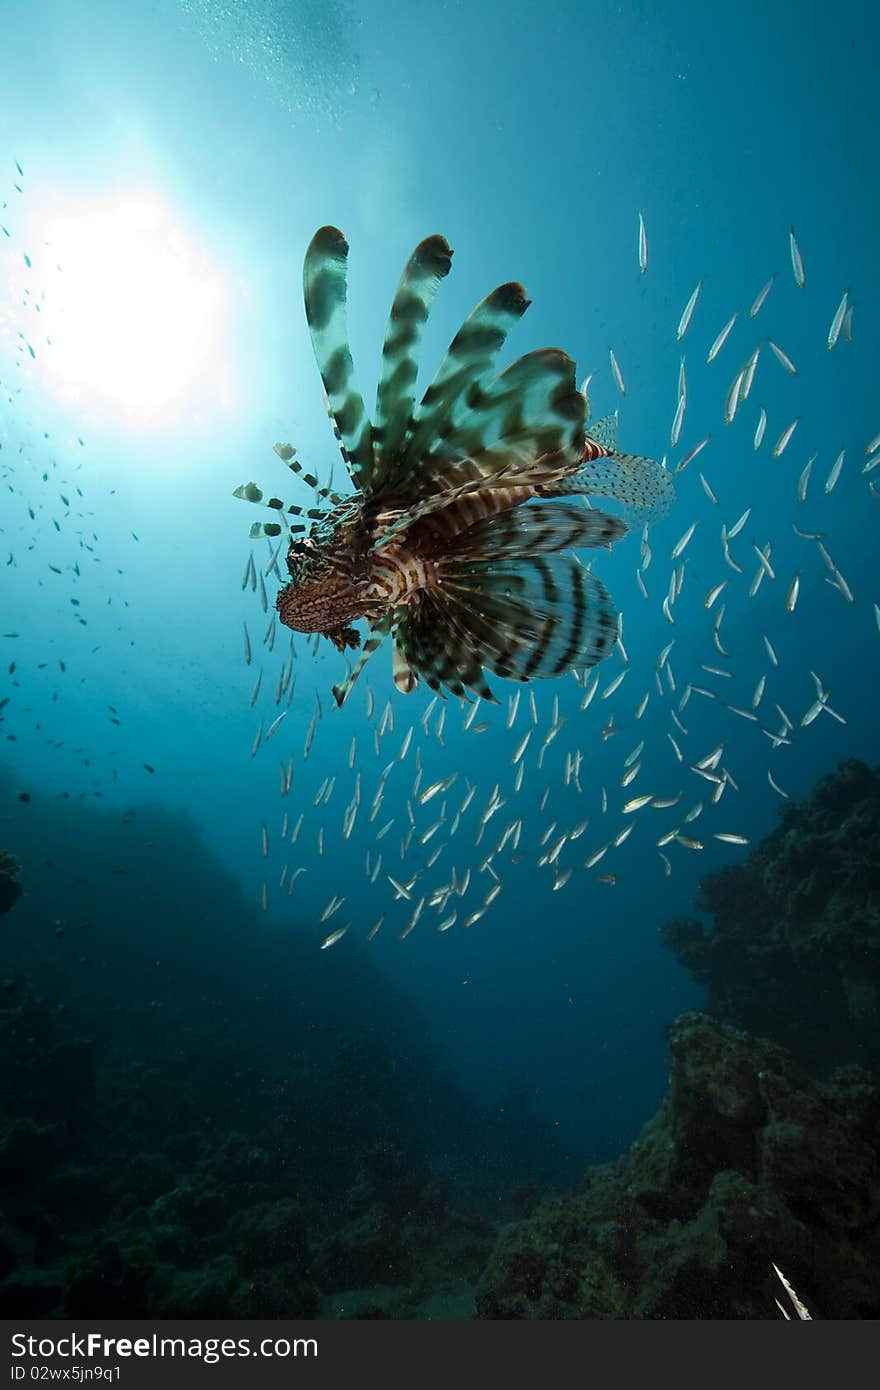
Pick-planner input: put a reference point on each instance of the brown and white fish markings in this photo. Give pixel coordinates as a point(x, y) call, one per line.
point(437, 516)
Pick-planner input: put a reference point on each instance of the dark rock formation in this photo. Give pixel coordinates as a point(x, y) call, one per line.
point(10, 888)
point(794, 949)
point(747, 1162)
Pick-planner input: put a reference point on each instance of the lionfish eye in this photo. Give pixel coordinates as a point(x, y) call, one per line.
point(298, 555)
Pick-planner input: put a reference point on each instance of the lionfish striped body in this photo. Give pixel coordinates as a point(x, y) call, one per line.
point(457, 539)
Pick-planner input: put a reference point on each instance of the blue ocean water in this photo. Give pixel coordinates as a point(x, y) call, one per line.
point(175, 160)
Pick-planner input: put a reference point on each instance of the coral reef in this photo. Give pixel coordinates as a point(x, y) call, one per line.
point(202, 1115)
point(748, 1161)
point(126, 1193)
point(10, 888)
point(796, 929)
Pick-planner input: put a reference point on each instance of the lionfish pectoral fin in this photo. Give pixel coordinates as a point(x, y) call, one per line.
point(378, 633)
point(324, 289)
point(249, 492)
point(530, 619)
point(511, 428)
point(405, 678)
point(286, 453)
point(395, 398)
point(536, 528)
point(470, 357)
point(436, 649)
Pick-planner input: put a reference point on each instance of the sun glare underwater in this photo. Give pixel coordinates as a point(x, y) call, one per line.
point(382, 855)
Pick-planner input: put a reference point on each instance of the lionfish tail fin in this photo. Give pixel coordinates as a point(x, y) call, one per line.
point(324, 289)
point(604, 431)
point(643, 485)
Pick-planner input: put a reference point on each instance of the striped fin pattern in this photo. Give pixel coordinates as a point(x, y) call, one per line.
point(520, 470)
point(507, 426)
point(405, 677)
point(395, 397)
point(324, 287)
point(523, 620)
point(537, 528)
point(438, 649)
point(249, 492)
point(470, 357)
point(526, 427)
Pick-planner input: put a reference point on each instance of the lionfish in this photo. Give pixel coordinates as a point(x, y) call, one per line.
point(457, 539)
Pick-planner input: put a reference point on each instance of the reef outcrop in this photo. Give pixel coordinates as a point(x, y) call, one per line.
point(10, 887)
point(793, 952)
point(747, 1162)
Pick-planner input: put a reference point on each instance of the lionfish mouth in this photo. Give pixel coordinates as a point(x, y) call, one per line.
point(492, 467)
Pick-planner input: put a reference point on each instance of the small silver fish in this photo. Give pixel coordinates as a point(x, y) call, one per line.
point(760, 428)
point(797, 264)
point(831, 480)
point(775, 785)
point(683, 541)
point(791, 597)
point(614, 685)
point(688, 842)
point(708, 491)
point(782, 357)
point(732, 398)
point(721, 339)
point(764, 559)
point(837, 321)
point(677, 421)
point(749, 375)
point(804, 479)
point(334, 936)
point(689, 457)
point(761, 296)
point(689, 308)
point(738, 526)
point(782, 442)
point(615, 368)
point(274, 725)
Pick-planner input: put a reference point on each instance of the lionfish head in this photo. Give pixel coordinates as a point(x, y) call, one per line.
point(322, 595)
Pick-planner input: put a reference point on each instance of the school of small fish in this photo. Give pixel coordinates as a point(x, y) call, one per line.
point(441, 798)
